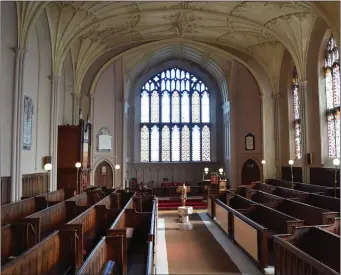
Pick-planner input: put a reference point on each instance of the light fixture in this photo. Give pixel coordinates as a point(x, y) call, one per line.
point(206, 170)
point(48, 168)
point(221, 170)
point(263, 161)
point(117, 166)
point(336, 163)
point(78, 165)
point(291, 162)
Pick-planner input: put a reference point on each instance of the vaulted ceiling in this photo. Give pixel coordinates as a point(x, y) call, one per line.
point(260, 29)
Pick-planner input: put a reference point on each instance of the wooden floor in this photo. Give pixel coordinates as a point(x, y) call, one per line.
point(198, 251)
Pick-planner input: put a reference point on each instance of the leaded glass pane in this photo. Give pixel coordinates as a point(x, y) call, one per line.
point(144, 107)
point(329, 88)
point(144, 144)
point(337, 134)
point(205, 107)
point(185, 108)
point(331, 136)
point(165, 107)
point(175, 107)
point(298, 152)
point(175, 144)
point(206, 144)
point(296, 102)
point(154, 144)
point(196, 143)
point(155, 108)
point(185, 144)
point(165, 144)
point(336, 85)
point(195, 107)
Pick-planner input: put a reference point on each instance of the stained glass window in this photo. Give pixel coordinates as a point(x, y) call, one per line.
point(332, 84)
point(297, 116)
point(175, 118)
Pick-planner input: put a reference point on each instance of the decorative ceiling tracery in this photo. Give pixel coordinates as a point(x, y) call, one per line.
point(260, 29)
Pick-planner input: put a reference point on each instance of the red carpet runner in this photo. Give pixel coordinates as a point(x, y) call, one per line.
point(174, 204)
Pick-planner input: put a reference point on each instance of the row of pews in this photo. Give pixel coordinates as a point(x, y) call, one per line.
point(96, 232)
point(295, 231)
point(322, 190)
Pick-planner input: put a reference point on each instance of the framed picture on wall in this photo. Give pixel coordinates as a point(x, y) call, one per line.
point(249, 142)
point(27, 127)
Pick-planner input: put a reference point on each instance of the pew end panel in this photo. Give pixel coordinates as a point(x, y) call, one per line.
point(314, 250)
point(334, 227)
point(77, 229)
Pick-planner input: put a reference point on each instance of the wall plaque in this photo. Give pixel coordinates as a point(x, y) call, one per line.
point(104, 140)
point(27, 125)
point(249, 142)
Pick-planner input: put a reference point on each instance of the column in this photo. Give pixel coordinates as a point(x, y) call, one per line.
point(75, 108)
point(226, 137)
point(304, 124)
point(277, 99)
point(54, 131)
point(126, 143)
point(17, 117)
point(268, 128)
point(93, 138)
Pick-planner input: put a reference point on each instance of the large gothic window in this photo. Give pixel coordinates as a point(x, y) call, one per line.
point(175, 118)
point(297, 116)
point(332, 78)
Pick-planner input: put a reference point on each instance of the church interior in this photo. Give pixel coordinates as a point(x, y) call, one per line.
point(170, 137)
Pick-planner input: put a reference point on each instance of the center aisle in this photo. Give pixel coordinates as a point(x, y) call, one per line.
point(195, 251)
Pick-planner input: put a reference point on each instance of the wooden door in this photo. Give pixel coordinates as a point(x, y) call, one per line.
point(250, 172)
point(104, 175)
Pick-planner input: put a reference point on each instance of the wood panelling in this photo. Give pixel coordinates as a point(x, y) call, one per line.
point(34, 184)
point(5, 190)
point(221, 216)
point(246, 236)
point(297, 172)
point(324, 176)
point(104, 175)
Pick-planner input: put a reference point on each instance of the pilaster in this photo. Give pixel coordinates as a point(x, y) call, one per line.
point(277, 101)
point(304, 125)
point(76, 97)
point(54, 131)
point(17, 133)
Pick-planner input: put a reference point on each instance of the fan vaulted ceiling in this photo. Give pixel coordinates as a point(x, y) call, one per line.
point(260, 29)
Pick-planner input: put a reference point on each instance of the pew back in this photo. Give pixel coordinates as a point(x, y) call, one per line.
point(325, 202)
point(315, 249)
point(17, 210)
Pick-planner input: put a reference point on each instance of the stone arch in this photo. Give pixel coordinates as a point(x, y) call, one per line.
point(96, 164)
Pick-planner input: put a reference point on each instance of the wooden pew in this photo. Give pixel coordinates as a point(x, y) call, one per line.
point(309, 250)
point(17, 210)
point(330, 192)
point(55, 255)
point(259, 223)
point(151, 257)
point(103, 252)
point(310, 214)
point(129, 227)
point(263, 197)
point(94, 223)
point(334, 227)
point(30, 230)
point(329, 203)
point(310, 188)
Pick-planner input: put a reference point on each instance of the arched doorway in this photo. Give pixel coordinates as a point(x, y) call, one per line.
point(250, 172)
point(104, 175)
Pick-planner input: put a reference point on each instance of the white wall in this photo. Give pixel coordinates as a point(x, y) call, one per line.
point(37, 85)
point(8, 41)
